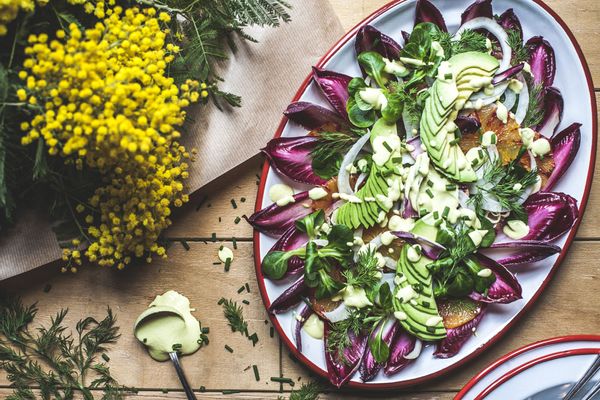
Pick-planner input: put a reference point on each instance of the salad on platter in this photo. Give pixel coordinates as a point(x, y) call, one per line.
point(430, 178)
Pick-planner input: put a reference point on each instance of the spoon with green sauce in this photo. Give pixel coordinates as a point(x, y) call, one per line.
point(167, 328)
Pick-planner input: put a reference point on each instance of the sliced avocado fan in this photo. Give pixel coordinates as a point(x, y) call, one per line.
point(457, 80)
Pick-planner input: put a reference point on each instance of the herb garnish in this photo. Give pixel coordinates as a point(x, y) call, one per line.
point(53, 359)
point(235, 316)
point(535, 108)
point(366, 273)
point(509, 184)
point(515, 42)
point(308, 391)
point(469, 41)
point(329, 151)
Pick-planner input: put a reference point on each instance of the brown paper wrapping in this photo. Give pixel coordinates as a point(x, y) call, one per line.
point(265, 74)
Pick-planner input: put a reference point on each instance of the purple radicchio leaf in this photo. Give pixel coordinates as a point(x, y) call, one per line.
point(553, 112)
point(341, 369)
point(509, 73)
point(427, 12)
point(290, 156)
point(468, 124)
point(290, 297)
point(292, 239)
point(549, 215)
point(480, 8)
point(430, 249)
point(369, 38)
point(312, 116)
point(565, 146)
point(275, 220)
point(402, 344)
point(457, 337)
point(304, 314)
point(405, 36)
point(542, 61)
point(369, 367)
point(334, 87)
point(509, 21)
point(521, 252)
point(407, 209)
point(504, 290)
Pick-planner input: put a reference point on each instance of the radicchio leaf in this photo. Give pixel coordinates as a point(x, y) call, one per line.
point(550, 215)
point(522, 252)
point(457, 337)
point(553, 112)
point(509, 21)
point(542, 61)
point(339, 369)
point(369, 367)
point(304, 314)
point(405, 36)
point(275, 220)
point(504, 290)
point(407, 209)
point(292, 239)
point(468, 124)
point(370, 39)
point(480, 8)
point(289, 298)
point(290, 156)
point(427, 12)
point(334, 87)
point(402, 344)
point(509, 73)
point(565, 146)
point(312, 116)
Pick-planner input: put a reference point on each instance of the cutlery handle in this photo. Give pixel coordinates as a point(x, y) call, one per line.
point(591, 371)
point(189, 392)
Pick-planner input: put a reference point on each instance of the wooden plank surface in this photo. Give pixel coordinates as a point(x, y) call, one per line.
point(559, 311)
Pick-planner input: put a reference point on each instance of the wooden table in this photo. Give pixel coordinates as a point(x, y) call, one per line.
point(568, 306)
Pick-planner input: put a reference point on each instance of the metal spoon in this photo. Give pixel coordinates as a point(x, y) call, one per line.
point(591, 371)
point(189, 392)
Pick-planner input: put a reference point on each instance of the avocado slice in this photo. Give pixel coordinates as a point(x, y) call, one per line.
point(473, 59)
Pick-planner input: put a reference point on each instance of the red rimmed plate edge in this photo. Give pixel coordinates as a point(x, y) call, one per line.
point(515, 353)
point(517, 370)
point(261, 189)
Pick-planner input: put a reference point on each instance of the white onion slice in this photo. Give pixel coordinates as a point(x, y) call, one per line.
point(337, 315)
point(495, 29)
point(510, 98)
point(416, 351)
point(523, 103)
point(343, 181)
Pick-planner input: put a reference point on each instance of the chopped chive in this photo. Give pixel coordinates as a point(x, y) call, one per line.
point(233, 204)
point(202, 389)
point(247, 287)
point(185, 245)
point(423, 211)
point(429, 193)
point(448, 76)
point(254, 339)
point(480, 153)
point(176, 347)
point(289, 381)
point(429, 183)
point(247, 368)
point(234, 241)
point(213, 237)
point(241, 289)
point(397, 160)
point(47, 288)
point(454, 141)
point(436, 215)
point(256, 374)
point(446, 212)
point(165, 390)
point(451, 187)
point(438, 223)
point(237, 220)
point(387, 147)
point(227, 264)
point(221, 301)
point(246, 302)
point(217, 263)
point(205, 330)
point(105, 357)
point(229, 349)
point(243, 199)
point(272, 331)
point(230, 391)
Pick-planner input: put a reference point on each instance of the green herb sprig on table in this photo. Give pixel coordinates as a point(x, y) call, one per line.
point(61, 364)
